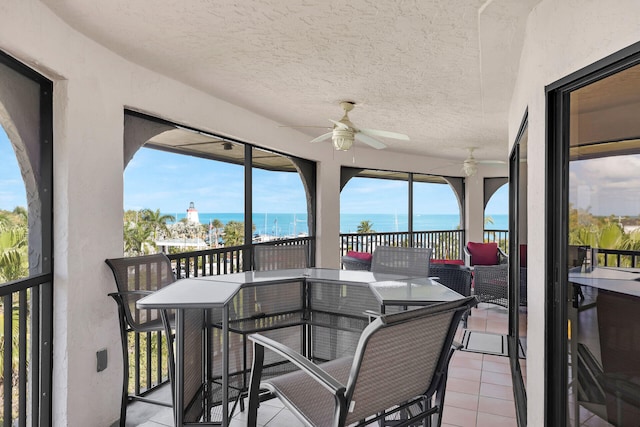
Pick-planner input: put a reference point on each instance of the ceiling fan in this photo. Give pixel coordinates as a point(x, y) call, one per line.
point(344, 132)
point(470, 164)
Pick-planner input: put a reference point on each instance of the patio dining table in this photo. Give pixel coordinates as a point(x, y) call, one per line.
point(197, 295)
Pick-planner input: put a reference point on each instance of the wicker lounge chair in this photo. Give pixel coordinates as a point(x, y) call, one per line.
point(485, 254)
point(490, 284)
point(400, 365)
point(136, 277)
point(353, 263)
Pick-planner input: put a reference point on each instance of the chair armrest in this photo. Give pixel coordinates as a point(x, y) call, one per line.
point(123, 297)
point(138, 292)
point(371, 314)
point(314, 371)
point(503, 258)
point(456, 345)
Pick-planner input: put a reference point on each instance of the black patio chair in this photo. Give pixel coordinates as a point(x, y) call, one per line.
point(275, 311)
point(412, 262)
point(399, 367)
point(135, 278)
point(278, 257)
point(455, 277)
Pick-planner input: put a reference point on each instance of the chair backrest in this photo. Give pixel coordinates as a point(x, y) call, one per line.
point(453, 276)
point(576, 256)
point(275, 257)
point(401, 356)
point(136, 277)
point(399, 260)
point(483, 253)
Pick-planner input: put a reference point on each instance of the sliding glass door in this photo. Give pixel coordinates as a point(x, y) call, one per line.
point(594, 245)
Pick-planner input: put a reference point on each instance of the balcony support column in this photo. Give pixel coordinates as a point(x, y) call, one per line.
point(474, 208)
point(328, 205)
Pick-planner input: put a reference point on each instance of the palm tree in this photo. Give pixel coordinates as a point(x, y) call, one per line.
point(137, 239)
point(365, 226)
point(217, 226)
point(156, 221)
point(13, 253)
point(233, 233)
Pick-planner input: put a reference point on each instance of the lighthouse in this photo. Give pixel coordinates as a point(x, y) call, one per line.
point(192, 214)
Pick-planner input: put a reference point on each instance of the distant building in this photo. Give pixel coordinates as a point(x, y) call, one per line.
point(192, 214)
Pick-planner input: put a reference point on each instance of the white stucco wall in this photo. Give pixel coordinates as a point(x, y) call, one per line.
point(562, 37)
point(92, 86)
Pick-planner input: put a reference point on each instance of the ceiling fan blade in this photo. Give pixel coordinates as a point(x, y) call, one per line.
point(491, 162)
point(369, 140)
point(385, 134)
point(303, 126)
point(339, 124)
point(322, 137)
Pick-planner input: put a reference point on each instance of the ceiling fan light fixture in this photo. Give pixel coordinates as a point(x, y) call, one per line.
point(469, 168)
point(342, 139)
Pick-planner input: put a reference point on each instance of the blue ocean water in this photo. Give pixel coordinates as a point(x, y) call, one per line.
point(291, 224)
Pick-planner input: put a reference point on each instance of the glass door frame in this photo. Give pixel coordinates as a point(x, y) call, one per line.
point(513, 338)
point(557, 222)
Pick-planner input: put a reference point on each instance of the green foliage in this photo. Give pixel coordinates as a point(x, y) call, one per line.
point(14, 264)
point(141, 229)
point(14, 244)
point(601, 232)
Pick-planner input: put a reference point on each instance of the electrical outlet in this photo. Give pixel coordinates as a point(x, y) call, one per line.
point(101, 356)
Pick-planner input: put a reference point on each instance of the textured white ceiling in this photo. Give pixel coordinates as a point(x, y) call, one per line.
point(441, 71)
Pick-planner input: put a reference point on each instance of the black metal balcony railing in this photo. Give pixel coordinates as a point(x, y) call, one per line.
point(615, 258)
point(501, 237)
point(25, 382)
point(446, 244)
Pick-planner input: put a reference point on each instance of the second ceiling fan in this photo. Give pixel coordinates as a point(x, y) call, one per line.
point(344, 132)
point(470, 164)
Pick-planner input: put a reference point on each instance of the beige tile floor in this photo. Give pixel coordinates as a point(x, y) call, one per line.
point(479, 388)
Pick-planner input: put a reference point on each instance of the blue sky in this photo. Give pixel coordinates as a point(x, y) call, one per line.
point(159, 180)
point(12, 191)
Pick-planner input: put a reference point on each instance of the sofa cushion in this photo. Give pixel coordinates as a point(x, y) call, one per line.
point(365, 256)
point(483, 253)
point(447, 261)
